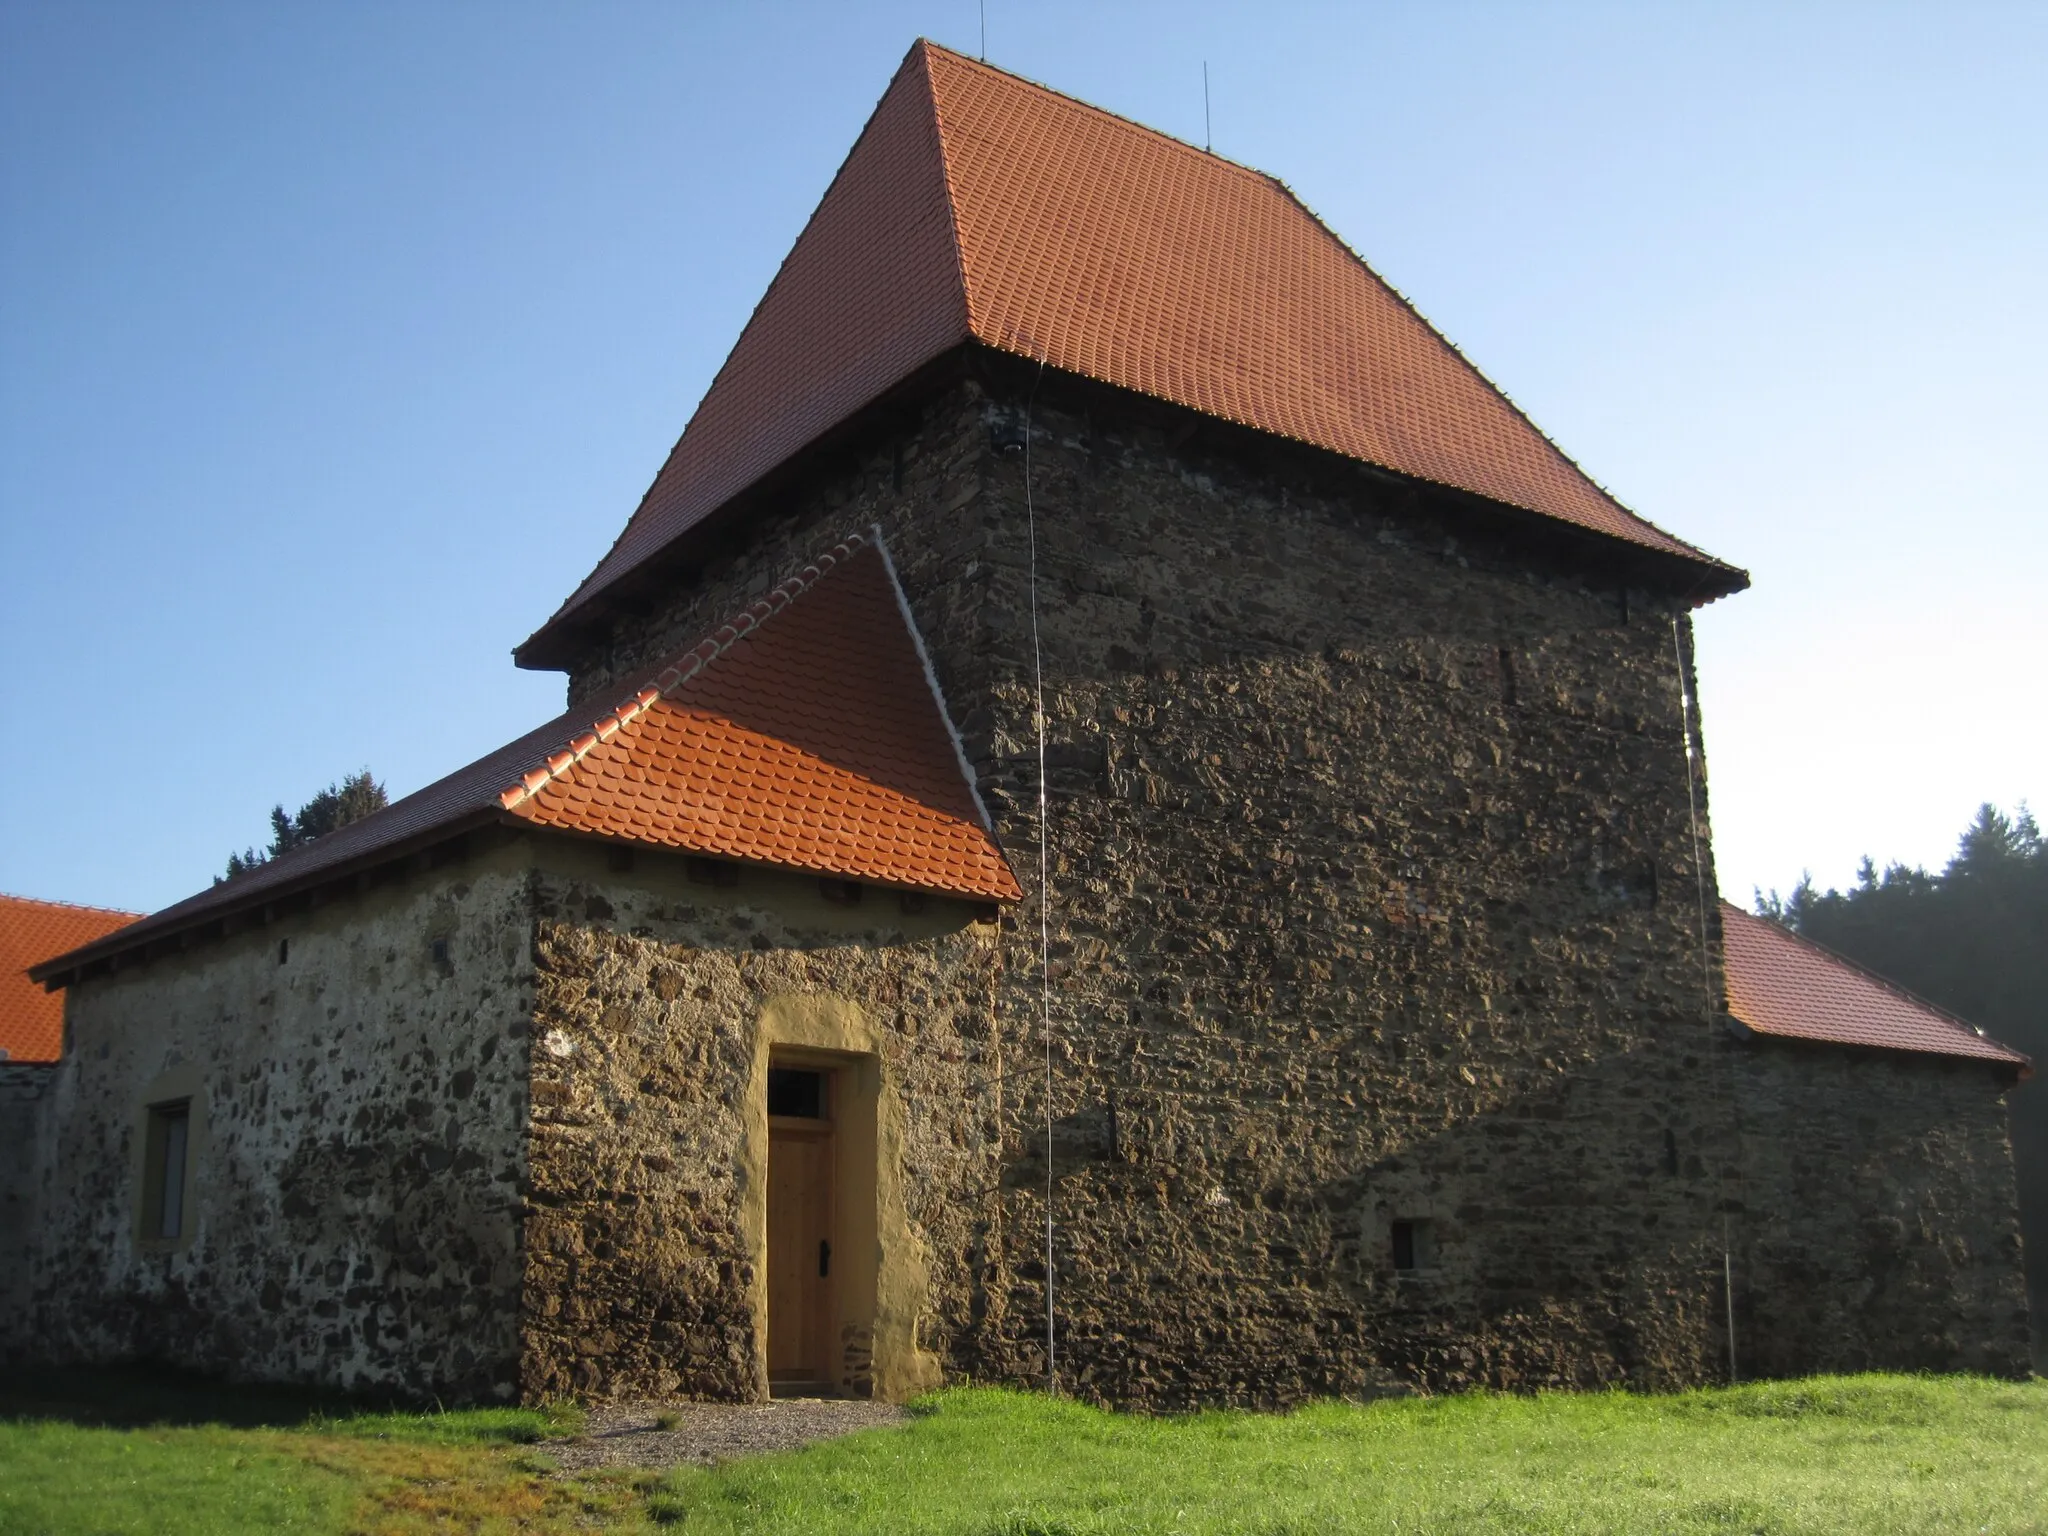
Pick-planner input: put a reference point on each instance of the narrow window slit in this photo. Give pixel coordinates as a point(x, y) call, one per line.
point(166, 1146)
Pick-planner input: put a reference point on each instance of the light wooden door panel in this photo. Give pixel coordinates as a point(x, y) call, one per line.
point(800, 1312)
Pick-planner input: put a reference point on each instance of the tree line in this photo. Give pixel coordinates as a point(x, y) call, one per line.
point(334, 807)
point(1973, 939)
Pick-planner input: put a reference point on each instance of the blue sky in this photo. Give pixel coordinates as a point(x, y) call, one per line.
point(337, 342)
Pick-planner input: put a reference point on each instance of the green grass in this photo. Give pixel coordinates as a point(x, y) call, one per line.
point(107, 1453)
point(114, 1452)
point(1864, 1454)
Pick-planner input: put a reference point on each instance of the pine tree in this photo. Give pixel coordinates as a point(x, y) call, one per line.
point(334, 807)
point(1973, 939)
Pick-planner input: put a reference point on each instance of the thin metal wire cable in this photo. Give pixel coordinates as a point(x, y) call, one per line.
point(1699, 871)
point(1052, 1375)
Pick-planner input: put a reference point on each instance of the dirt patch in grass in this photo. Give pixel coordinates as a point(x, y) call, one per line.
point(704, 1434)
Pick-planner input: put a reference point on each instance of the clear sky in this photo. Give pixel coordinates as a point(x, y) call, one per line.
point(337, 342)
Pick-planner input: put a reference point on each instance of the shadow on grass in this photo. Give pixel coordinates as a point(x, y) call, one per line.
point(150, 1396)
point(139, 1396)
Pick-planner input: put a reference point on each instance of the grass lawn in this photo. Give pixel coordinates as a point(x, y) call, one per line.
point(107, 1452)
point(1863, 1454)
point(1866, 1453)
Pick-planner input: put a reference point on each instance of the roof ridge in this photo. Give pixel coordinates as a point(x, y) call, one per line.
point(1458, 352)
point(923, 49)
point(1117, 117)
point(69, 906)
point(683, 669)
point(1779, 930)
point(754, 315)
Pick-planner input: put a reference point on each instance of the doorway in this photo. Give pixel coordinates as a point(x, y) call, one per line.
point(802, 1230)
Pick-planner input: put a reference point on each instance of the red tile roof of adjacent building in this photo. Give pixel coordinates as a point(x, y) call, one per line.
point(807, 733)
point(979, 207)
point(32, 1020)
point(1781, 984)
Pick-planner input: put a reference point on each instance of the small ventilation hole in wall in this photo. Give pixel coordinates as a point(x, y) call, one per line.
point(1414, 1244)
point(712, 872)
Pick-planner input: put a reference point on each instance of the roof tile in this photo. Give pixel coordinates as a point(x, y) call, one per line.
point(978, 207)
point(32, 1020)
point(1781, 984)
point(813, 738)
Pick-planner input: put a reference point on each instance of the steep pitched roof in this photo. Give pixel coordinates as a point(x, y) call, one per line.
point(807, 733)
point(1781, 984)
point(31, 1020)
point(978, 207)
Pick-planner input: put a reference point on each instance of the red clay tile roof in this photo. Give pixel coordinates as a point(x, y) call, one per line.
point(32, 1020)
point(1780, 984)
point(978, 207)
point(806, 733)
point(808, 736)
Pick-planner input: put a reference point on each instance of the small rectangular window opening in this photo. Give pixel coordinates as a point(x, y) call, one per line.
point(1414, 1245)
point(163, 1172)
point(841, 893)
point(797, 1094)
point(284, 950)
point(438, 950)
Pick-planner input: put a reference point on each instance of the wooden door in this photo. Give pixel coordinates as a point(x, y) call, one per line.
point(800, 1259)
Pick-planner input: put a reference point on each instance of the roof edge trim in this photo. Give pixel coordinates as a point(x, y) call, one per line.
point(1459, 355)
point(56, 971)
point(69, 906)
point(687, 667)
point(922, 48)
point(931, 678)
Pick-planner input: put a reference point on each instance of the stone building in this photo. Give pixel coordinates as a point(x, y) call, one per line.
point(1116, 798)
point(1892, 1107)
point(31, 1040)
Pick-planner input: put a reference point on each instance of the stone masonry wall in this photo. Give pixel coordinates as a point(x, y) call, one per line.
point(358, 1131)
point(24, 1090)
point(1881, 1231)
point(1374, 901)
point(640, 1273)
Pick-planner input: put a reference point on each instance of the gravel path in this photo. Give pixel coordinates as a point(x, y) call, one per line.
point(626, 1434)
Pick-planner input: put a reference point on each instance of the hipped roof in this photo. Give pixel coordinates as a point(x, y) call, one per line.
point(807, 733)
point(1780, 984)
point(977, 207)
